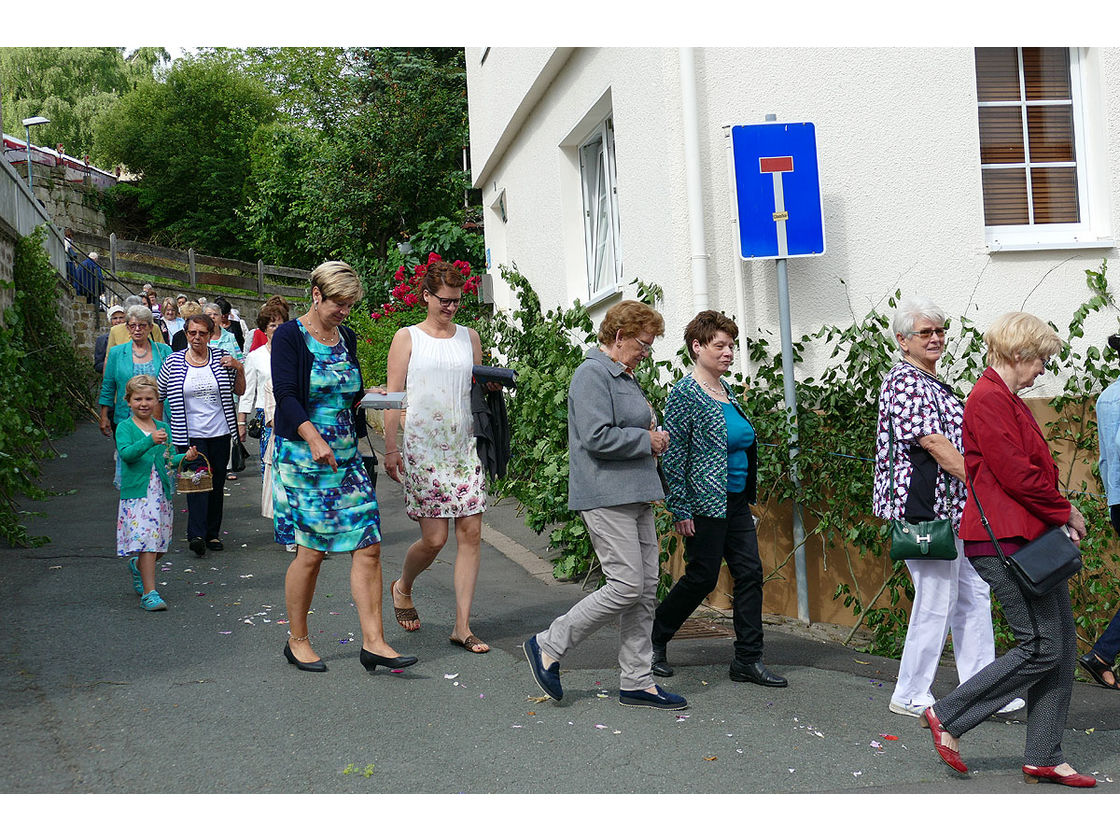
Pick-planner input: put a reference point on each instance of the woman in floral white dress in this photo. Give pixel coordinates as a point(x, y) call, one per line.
point(438, 460)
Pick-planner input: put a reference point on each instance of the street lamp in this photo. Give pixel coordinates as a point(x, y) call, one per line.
point(27, 123)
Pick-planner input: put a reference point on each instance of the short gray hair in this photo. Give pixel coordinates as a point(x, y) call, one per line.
point(213, 308)
point(140, 313)
point(131, 300)
point(913, 309)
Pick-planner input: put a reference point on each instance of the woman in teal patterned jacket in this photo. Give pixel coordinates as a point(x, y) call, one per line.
point(711, 468)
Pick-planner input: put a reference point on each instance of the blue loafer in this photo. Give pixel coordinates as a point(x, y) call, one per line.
point(547, 678)
point(661, 700)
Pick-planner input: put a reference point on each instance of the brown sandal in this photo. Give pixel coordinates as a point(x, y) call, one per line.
point(405, 614)
point(471, 643)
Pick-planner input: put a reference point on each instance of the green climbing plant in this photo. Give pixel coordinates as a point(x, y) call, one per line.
point(46, 383)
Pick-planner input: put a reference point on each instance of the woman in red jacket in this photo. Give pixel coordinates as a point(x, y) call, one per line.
point(1014, 475)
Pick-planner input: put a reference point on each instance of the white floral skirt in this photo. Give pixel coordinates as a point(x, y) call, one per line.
point(145, 524)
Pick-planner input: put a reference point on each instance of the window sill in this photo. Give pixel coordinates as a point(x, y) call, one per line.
point(604, 297)
point(996, 246)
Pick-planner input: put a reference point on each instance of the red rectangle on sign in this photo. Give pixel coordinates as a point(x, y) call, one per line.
point(775, 164)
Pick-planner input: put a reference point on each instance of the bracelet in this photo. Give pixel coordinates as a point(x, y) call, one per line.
point(392, 452)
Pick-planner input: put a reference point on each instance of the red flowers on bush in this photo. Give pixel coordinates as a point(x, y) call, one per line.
point(406, 294)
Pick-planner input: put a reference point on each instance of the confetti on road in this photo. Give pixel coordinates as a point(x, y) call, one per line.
point(450, 676)
point(709, 758)
point(888, 737)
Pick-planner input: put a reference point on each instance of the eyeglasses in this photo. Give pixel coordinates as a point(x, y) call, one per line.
point(447, 303)
point(646, 348)
point(197, 332)
point(140, 326)
point(929, 332)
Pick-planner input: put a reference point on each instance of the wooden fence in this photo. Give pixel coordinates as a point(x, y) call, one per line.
point(126, 255)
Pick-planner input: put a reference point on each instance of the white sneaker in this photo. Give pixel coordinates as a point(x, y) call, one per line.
point(908, 708)
point(290, 547)
point(1014, 706)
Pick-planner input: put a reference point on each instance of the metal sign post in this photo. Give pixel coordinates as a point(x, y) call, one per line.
point(780, 215)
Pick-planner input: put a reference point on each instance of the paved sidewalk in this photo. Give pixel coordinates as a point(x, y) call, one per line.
point(102, 697)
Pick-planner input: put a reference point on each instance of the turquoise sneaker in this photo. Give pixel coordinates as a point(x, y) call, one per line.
point(152, 602)
point(137, 581)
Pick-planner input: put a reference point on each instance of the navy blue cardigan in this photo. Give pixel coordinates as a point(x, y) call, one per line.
point(291, 379)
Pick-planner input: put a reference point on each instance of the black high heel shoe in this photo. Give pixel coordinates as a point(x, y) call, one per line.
point(318, 666)
point(370, 661)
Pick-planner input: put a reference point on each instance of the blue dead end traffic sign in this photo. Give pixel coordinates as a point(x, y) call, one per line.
point(778, 191)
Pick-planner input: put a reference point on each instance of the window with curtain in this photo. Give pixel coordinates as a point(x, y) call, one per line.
point(1029, 117)
point(600, 211)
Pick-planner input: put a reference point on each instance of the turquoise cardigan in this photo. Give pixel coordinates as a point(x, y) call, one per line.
point(139, 455)
point(118, 370)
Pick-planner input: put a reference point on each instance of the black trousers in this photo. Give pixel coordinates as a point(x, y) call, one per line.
point(204, 510)
point(735, 540)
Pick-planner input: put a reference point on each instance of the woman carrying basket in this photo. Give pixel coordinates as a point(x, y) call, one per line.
point(199, 384)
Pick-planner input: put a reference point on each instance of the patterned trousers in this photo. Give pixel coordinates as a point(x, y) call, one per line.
point(1041, 665)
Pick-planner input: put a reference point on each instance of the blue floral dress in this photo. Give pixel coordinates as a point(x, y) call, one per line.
point(314, 505)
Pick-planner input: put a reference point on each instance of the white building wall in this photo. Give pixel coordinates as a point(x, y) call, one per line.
point(899, 160)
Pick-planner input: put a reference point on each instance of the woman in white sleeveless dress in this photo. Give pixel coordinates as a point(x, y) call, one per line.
point(437, 460)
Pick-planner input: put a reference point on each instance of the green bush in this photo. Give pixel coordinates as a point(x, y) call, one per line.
point(45, 381)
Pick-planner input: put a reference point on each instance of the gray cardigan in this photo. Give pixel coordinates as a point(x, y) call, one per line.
point(609, 457)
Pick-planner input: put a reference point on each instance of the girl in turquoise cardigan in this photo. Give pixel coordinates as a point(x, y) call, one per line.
point(144, 515)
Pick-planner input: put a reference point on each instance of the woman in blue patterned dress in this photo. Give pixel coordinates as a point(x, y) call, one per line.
point(324, 499)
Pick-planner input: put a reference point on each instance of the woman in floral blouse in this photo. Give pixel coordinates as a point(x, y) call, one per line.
point(928, 483)
point(711, 468)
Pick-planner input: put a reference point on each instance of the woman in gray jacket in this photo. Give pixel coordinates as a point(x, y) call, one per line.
point(613, 444)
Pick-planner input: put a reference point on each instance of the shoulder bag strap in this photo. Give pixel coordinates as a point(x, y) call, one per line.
point(984, 519)
point(890, 451)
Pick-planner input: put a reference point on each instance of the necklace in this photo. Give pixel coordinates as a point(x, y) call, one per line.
point(716, 392)
point(322, 337)
point(195, 360)
point(141, 354)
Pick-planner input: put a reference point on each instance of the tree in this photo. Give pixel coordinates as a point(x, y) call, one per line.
point(189, 138)
point(314, 85)
point(71, 86)
point(397, 160)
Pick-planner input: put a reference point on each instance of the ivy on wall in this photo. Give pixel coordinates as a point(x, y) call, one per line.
point(46, 383)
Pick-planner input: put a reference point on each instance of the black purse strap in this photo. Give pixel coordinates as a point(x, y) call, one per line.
point(984, 519)
point(890, 455)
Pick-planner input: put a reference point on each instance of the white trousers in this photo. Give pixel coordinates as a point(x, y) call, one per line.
point(949, 597)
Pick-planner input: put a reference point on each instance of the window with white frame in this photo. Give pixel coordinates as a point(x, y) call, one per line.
point(1032, 149)
point(602, 240)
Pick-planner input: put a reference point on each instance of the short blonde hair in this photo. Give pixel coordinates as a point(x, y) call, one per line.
point(139, 382)
point(630, 318)
point(189, 308)
point(1020, 334)
point(337, 281)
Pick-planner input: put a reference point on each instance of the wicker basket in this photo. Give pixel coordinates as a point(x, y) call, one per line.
point(201, 481)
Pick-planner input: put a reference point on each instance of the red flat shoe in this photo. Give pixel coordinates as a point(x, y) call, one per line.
point(948, 754)
point(1033, 775)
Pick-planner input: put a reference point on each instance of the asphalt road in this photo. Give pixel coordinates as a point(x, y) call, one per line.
point(102, 697)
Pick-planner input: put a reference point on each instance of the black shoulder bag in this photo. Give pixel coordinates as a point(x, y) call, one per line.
point(1041, 564)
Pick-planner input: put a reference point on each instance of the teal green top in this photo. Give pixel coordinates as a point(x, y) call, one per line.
point(119, 368)
point(740, 436)
point(139, 454)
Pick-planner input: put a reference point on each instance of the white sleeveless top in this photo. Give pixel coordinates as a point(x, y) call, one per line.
point(442, 471)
